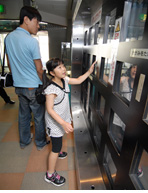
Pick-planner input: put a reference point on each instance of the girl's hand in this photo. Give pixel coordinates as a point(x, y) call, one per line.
point(67, 127)
point(91, 69)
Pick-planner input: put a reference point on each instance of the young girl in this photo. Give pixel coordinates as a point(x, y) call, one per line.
point(57, 115)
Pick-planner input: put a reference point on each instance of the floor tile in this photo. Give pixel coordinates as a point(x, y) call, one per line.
point(11, 181)
point(62, 164)
point(35, 181)
point(9, 115)
point(12, 158)
point(71, 159)
point(38, 160)
point(12, 134)
point(72, 180)
point(4, 127)
point(25, 169)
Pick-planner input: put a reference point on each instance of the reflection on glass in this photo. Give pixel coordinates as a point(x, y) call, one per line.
point(111, 25)
point(145, 116)
point(92, 92)
point(137, 20)
point(98, 33)
point(100, 104)
point(116, 132)
point(109, 165)
point(88, 61)
point(139, 171)
point(128, 74)
point(106, 70)
point(88, 96)
point(84, 62)
point(90, 116)
point(93, 60)
point(66, 55)
point(85, 38)
point(143, 170)
point(91, 35)
point(97, 135)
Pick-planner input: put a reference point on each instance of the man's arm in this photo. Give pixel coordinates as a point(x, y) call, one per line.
point(39, 69)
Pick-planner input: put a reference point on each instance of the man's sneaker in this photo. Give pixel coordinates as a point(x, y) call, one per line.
point(55, 179)
point(62, 155)
point(140, 172)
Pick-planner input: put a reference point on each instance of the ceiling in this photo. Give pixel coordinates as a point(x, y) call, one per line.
point(54, 12)
point(61, 8)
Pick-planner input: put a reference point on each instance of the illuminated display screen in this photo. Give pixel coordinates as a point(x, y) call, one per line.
point(1, 9)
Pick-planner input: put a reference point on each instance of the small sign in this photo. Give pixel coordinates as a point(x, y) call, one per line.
point(117, 28)
point(96, 17)
point(140, 87)
point(139, 53)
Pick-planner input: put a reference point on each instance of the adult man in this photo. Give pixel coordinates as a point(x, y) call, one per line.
point(24, 59)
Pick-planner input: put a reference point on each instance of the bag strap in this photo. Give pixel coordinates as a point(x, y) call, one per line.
point(3, 64)
point(63, 89)
point(61, 100)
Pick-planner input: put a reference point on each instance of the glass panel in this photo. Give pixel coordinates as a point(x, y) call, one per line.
point(93, 60)
point(88, 61)
point(109, 165)
point(97, 135)
point(66, 56)
point(92, 92)
point(85, 102)
point(85, 38)
point(145, 116)
point(143, 170)
point(88, 97)
point(84, 63)
point(111, 25)
point(139, 169)
point(116, 131)
point(98, 33)
point(91, 88)
point(127, 80)
point(100, 104)
point(106, 70)
point(90, 117)
point(91, 36)
point(137, 20)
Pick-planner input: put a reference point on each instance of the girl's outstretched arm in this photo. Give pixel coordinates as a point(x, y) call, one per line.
point(49, 105)
point(81, 79)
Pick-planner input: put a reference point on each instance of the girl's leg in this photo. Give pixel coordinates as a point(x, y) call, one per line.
point(53, 156)
point(51, 175)
point(52, 160)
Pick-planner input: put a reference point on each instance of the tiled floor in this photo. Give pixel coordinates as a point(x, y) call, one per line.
point(25, 169)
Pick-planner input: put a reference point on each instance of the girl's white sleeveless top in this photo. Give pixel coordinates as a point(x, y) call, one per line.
point(61, 107)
